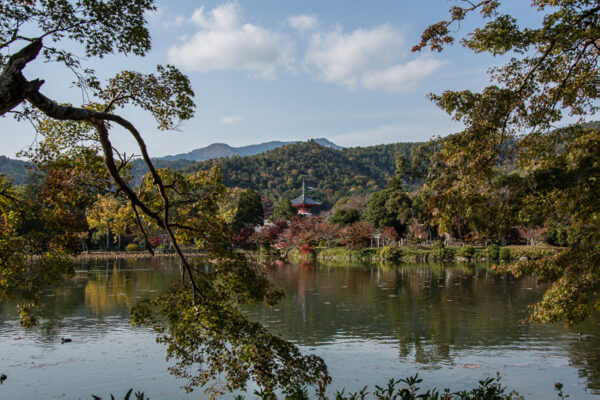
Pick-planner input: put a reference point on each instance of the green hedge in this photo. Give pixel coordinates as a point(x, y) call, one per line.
point(466, 251)
point(492, 251)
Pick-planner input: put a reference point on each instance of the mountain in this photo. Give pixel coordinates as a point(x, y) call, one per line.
point(14, 169)
point(220, 150)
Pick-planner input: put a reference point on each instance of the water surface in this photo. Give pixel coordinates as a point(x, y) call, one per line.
point(453, 324)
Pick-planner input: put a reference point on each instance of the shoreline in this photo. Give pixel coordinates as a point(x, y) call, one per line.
point(113, 255)
point(416, 254)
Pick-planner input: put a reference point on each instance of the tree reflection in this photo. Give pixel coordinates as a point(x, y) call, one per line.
point(433, 312)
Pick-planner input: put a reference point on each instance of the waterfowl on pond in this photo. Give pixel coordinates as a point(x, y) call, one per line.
point(2, 378)
point(65, 340)
point(582, 336)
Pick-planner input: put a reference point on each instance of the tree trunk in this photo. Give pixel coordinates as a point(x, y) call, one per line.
point(14, 88)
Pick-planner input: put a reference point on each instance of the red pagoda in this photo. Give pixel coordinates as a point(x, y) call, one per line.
point(304, 203)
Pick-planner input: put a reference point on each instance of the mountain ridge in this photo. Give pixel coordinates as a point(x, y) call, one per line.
point(222, 150)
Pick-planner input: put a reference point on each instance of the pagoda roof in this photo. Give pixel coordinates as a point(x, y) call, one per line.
point(305, 200)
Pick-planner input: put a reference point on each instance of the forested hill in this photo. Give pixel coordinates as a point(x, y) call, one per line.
point(14, 169)
point(278, 173)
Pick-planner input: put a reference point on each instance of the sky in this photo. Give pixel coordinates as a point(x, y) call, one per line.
point(285, 70)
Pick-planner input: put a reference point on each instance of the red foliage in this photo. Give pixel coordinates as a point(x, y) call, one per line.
point(270, 233)
point(389, 234)
point(156, 241)
point(417, 230)
point(241, 237)
point(306, 249)
point(309, 230)
point(358, 235)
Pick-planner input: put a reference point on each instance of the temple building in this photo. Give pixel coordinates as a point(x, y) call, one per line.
point(304, 203)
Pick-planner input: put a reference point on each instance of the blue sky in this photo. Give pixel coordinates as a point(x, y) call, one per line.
point(291, 70)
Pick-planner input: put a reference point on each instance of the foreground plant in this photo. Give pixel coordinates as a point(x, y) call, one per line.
point(409, 389)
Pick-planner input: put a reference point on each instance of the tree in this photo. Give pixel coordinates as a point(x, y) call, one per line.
point(345, 217)
point(108, 216)
point(553, 71)
point(389, 235)
point(267, 205)
point(199, 319)
point(249, 211)
point(270, 233)
point(284, 210)
point(389, 207)
point(358, 235)
point(34, 249)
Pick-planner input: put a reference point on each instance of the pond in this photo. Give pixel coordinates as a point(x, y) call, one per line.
point(452, 324)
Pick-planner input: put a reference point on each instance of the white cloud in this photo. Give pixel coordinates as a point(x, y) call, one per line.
point(401, 77)
point(367, 59)
point(223, 42)
point(232, 120)
point(303, 22)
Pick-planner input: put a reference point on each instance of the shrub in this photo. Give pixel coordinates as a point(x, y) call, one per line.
point(504, 253)
point(467, 251)
point(390, 253)
point(440, 252)
point(493, 251)
point(132, 247)
point(156, 241)
point(439, 245)
point(306, 249)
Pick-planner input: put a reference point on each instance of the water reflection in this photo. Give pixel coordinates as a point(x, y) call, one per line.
point(454, 305)
point(440, 319)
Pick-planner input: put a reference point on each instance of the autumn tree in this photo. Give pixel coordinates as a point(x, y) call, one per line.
point(199, 320)
point(552, 73)
point(110, 218)
point(270, 233)
point(358, 235)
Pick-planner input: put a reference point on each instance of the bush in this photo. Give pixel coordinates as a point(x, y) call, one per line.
point(493, 251)
point(439, 245)
point(390, 253)
point(440, 252)
point(467, 251)
point(504, 253)
point(132, 247)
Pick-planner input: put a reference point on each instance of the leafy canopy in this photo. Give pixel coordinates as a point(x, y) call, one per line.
point(553, 72)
